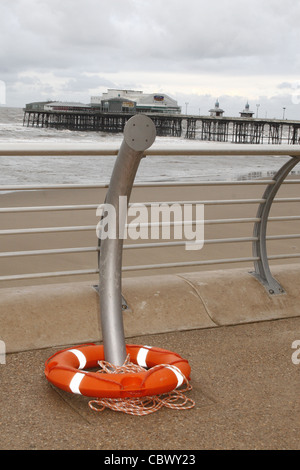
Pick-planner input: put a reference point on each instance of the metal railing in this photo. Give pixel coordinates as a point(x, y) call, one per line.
point(265, 198)
point(139, 134)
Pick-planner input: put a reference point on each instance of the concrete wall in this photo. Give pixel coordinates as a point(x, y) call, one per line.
point(64, 314)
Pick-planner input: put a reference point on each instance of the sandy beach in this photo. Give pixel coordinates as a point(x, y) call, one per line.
point(134, 257)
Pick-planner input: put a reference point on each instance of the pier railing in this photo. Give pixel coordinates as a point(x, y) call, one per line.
point(264, 226)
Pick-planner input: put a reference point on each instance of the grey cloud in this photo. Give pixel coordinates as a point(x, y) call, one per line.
point(289, 86)
point(82, 82)
point(72, 32)
point(70, 37)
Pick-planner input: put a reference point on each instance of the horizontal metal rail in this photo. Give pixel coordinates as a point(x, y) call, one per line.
point(8, 210)
point(79, 149)
point(25, 231)
point(84, 228)
point(54, 251)
point(145, 267)
point(78, 272)
point(135, 246)
point(79, 207)
point(206, 262)
point(169, 184)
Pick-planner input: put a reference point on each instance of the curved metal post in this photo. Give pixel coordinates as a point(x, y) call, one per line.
point(139, 134)
point(262, 269)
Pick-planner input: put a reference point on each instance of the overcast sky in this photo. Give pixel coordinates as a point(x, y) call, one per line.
point(194, 50)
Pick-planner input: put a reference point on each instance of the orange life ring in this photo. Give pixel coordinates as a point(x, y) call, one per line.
point(166, 372)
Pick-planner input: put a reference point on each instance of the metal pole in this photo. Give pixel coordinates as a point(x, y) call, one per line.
point(139, 134)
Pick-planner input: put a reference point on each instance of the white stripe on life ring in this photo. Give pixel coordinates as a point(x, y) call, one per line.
point(75, 383)
point(142, 356)
point(80, 356)
point(178, 374)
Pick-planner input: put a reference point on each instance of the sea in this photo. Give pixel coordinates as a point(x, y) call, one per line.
point(97, 169)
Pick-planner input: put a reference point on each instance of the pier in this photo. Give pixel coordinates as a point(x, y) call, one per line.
point(238, 130)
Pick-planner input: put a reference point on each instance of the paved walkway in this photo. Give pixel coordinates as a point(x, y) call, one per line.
point(245, 385)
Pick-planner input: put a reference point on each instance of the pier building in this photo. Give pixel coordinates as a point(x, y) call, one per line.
point(65, 106)
point(246, 113)
point(135, 101)
point(216, 111)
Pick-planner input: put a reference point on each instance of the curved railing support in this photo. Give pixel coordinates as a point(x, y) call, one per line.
point(139, 134)
point(262, 269)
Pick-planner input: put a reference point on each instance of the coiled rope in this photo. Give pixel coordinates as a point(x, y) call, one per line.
point(175, 400)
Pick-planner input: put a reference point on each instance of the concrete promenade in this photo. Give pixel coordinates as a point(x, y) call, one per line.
point(245, 386)
point(237, 338)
